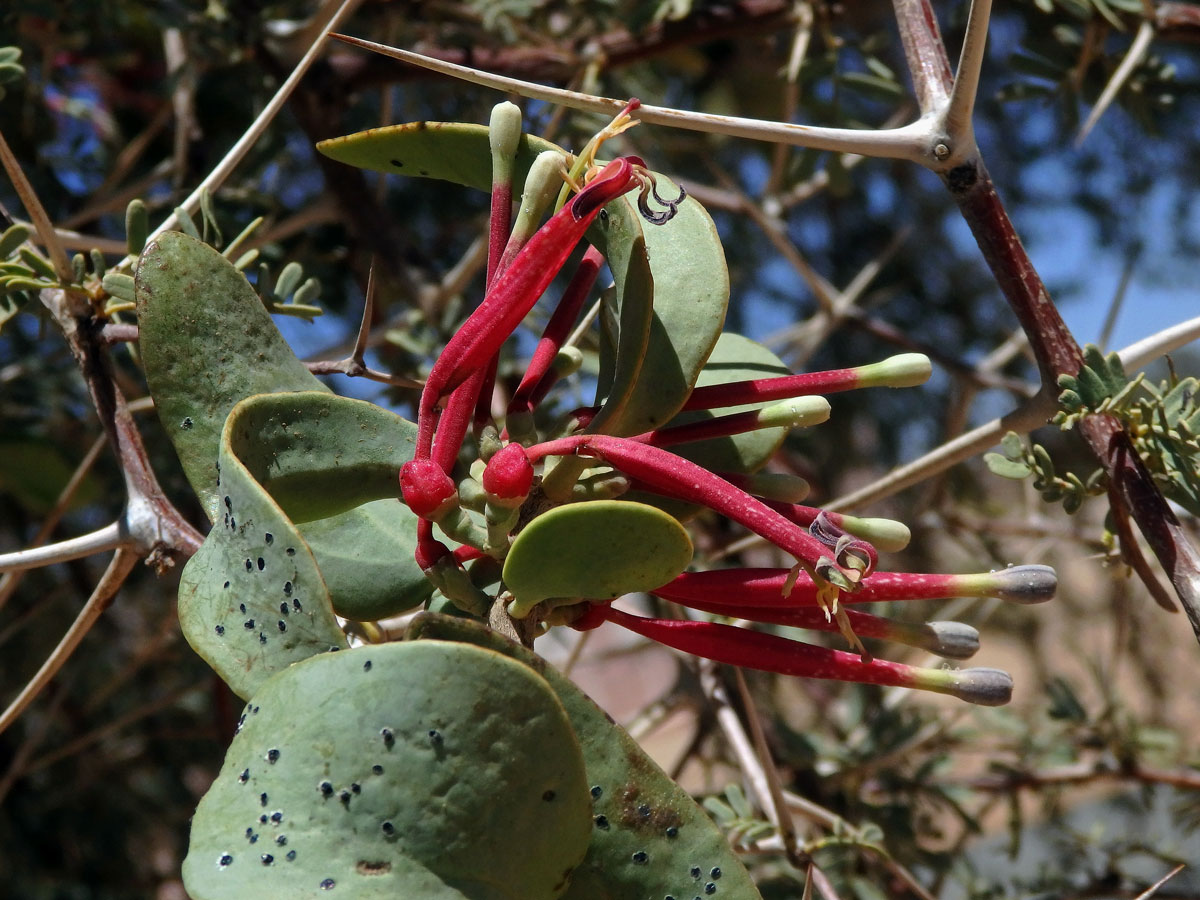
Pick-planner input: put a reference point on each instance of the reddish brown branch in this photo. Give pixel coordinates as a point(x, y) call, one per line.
point(1133, 491)
point(1058, 353)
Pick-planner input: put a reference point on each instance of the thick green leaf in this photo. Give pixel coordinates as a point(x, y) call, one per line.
point(626, 314)
point(366, 558)
point(207, 342)
point(649, 838)
point(321, 460)
point(597, 550)
point(426, 770)
point(659, 326)
point(320, 454)
point(450, 151)
point(251, 600)
point(331, 462)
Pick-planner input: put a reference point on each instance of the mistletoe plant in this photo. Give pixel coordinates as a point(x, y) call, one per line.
point(456, 763)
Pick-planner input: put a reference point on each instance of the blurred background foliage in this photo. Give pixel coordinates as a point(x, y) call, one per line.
point(1089, 785)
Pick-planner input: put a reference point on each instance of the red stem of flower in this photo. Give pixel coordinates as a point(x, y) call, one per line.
point(784, 387)
point(529, 391)
point(673, 476)
point(764, 652)
point(739, 589)
point(456, 419)
point(483, 398)
point(811, 617)
point(499, 225)
point(703, 429)
point(465, 553)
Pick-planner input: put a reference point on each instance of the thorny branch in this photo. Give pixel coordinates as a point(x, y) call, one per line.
point(1054, 347)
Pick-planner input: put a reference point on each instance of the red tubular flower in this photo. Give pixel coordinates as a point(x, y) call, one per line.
point(517, 289)
point(904, 370)
point(557, 330)
point(738, 589)
point(794, 414)
point(673, 476)
point(953, 640)
point(771, 653)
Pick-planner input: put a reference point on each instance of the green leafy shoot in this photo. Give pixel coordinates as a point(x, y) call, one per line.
point(735, 815)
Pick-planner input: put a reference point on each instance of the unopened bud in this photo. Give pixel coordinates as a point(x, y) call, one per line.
point(902, 370)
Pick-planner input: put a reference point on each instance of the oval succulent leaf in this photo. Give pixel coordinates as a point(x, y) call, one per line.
point(626, 313)
point(449, 151)
point(251, 600)
point(366, 559)
point(649, 837)
point(322, 459)
point(688, 295)
point(597, 550)
point(319, 454)
point(426, 769)
point(207, 342)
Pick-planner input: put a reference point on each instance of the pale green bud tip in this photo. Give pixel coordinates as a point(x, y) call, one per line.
point(887, 535)
point(779, 486)
point(504, 132)
point(795, 413)
point(541, 184)
point(567, 361)
point(953, 640)
point(903, 370)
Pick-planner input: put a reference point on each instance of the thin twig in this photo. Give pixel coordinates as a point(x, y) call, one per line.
point(110, 582)
point(1149, 892)
point(926, 54)
point(353, 369)
point(109, 537)
point(970, 62)
point(910, 142)
point(739, 741)
point(1137, 52)
point(778, 811)
point(1118, 300)
point(37, 214)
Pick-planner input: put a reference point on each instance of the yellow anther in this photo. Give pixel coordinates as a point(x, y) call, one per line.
point(584, 167)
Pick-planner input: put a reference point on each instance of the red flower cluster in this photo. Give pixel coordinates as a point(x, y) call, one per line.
point(835, 561)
